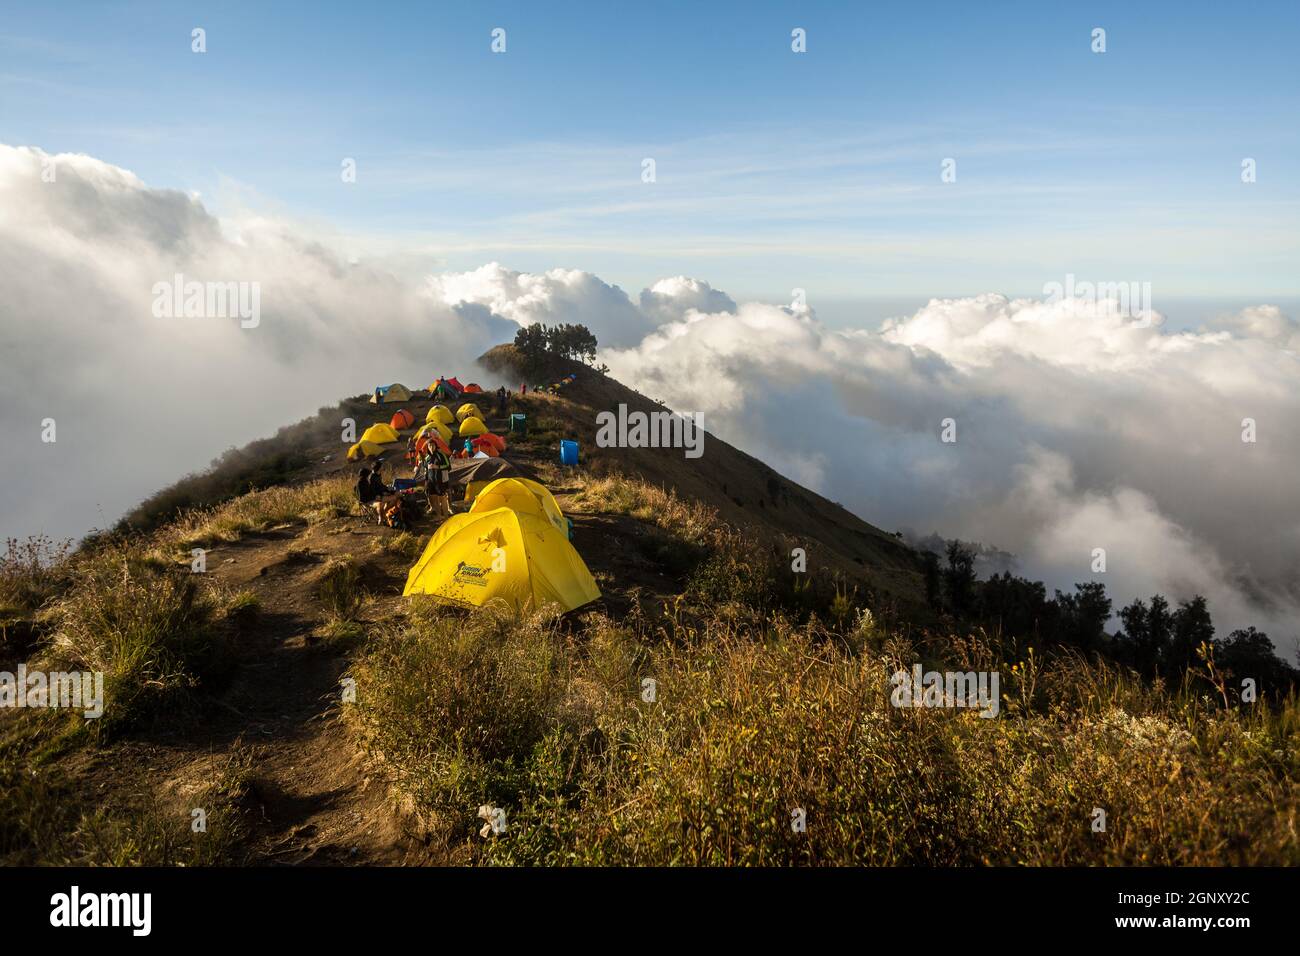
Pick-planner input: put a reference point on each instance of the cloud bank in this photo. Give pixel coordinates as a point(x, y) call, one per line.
point(138, 400)
point(1077, 427)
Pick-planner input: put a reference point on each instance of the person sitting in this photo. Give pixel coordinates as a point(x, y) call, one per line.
point(364, 493)
point(381, 497)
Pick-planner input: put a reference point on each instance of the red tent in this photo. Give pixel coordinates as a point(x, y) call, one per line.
point(455, 383)
point(402, 419)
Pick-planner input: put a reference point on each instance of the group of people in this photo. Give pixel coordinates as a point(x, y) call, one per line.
point(432, 469)
point(392, 503)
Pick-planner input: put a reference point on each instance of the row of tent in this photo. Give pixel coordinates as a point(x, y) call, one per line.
point(468, 421)
point(513, 545)
point(556, 387)
point(447, 389)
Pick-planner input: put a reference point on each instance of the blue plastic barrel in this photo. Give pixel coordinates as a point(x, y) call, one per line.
point(568, 452)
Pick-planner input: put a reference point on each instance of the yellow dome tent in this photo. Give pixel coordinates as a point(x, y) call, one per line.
point(523, 495)
point(364, 449)
point(381, 433)
point(440, 413)
point(472, 427)
point(438, 428)
point(521, 559)
point(468, 410)
point(396, 392)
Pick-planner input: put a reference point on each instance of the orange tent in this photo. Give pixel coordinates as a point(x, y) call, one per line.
point(403, 419)
point(486, 447)
point(496, 441)
point(473, 389)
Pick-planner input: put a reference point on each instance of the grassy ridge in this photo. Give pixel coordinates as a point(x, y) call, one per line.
point(760, 710)
point(769, 698)
point(754, 719)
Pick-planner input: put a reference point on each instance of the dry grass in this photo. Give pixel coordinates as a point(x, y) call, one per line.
point(691, 521)
point(153, 631)
point(45, 821)
point(259, 511)
point(31, 573)
point(751, 722)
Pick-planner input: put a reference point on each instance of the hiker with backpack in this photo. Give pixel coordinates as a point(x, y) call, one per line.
point(436, 467)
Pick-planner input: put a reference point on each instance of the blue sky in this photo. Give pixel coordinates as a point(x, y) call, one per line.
point(774, 169)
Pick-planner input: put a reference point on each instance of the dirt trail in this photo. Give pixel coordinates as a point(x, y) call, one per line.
point(314, 799)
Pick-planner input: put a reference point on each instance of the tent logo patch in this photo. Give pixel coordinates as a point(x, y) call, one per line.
point(471, 574)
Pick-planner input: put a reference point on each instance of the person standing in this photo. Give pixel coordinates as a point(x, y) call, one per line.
point(437, 478)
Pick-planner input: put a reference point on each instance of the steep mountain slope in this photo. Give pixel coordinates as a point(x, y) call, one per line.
point(772, 511)
point(745, 492)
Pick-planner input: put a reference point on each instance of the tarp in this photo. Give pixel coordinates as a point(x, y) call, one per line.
point(463, 471)
point(501, 554)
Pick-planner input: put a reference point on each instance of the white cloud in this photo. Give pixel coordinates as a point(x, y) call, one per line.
point(559, 295)
point(139, 400)
point(1077, 428)
point(670, 299)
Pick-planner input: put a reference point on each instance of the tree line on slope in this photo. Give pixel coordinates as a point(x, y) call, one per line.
point(1154, 638)
point(538, 343)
